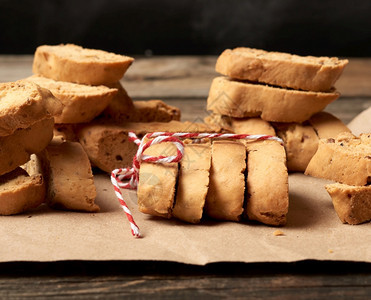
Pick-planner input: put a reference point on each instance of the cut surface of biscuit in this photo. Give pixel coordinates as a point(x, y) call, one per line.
point(157, 182)
point(243, 99)
point(73, 63)
point(69, 176)
point(20, 192)
point(352, 203)
point(193, 182)
point(281, 69)
point(225, 197)
point(267, 183)
point(345, 159)
point(17, 147)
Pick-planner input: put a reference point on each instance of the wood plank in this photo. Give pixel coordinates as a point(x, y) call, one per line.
point(173, 77)
point(159, 280)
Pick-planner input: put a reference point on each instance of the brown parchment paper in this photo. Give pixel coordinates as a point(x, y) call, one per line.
point(313, 231)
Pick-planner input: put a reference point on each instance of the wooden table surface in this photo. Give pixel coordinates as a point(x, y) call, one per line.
point(184, 82)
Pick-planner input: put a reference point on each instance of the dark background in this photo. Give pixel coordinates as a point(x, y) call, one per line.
point(163, 27)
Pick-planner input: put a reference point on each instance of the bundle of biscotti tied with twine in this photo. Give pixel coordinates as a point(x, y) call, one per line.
point(216, 178)
point(279, 94)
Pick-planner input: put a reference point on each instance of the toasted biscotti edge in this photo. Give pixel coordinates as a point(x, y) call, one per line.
point(341, 159)
point(242, 99)
point(17, 147)
point(281, 69)
point(352, 203)
point(84, 66)
point(70, 182)
point(82, 103)
point(20, 192)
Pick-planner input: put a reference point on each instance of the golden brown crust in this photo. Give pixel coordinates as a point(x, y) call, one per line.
point(17, 147)
point(241, 125)
point(281, 69)
point(154, 111)
point(242, 99)
point(327, 125)
point(20, 192)
point(82, 103)
point(345, 159)
point(121, 108)
point(352, 203)
point(68, 173)
point(193, 182)
point(267, 183)
point(225, 198)
point(23, 103)
point(72, 63)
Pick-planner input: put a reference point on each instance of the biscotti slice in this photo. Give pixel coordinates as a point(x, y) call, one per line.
point(300, 142)
point(193, 182)
point(154, 111)
point(20, 192)
point(69, 177)
point(243, 99)
point(121, 108)
point(108, 145)
point(23, 103)
point(82, 103)
point(241, 125)
point(73, 63)
point(65, 132)
point(157, 182)
point(225, 197)
point(281, 69)
point(345, 159)
point(352, 203)
point(15, 149)
point(267, 183)
point(327, 125)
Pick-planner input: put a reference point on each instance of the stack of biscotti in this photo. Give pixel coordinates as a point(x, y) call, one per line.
point(250, 182)
point(27, 114)
point(284, 92)
point(87, 81)
point(346, 159)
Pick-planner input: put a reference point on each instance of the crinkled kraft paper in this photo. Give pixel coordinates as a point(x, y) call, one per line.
point(313, 231)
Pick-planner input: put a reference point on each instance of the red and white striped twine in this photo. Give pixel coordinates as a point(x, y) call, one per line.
point(132, 174)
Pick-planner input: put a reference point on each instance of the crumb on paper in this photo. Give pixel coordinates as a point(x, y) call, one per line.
point(278, 233)
point(330, 251)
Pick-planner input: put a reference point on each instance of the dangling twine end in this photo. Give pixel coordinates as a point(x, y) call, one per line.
point(135, 232)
